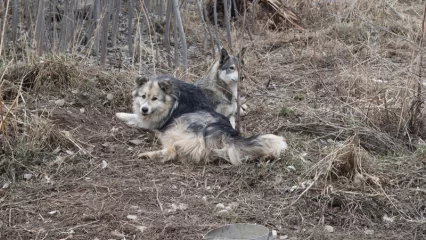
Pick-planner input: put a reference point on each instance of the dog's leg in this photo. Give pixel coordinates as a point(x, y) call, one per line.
point(164, 155)
point(131, 120)
point(169, 154)
point(150, 155)
point(232, 120)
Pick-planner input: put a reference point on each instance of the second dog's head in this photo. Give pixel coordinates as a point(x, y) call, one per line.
point(228, 65)
point(153, 98)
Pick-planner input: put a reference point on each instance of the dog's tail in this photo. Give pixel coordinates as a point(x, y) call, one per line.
point(237, 149)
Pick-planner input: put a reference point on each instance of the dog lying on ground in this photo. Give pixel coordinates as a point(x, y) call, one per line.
point(189, 127)
point(220, 84)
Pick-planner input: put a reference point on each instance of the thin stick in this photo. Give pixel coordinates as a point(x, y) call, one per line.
point(240, 73)
point(208, 28)
point(129, 30)
point(115, 19)
point(167, 33)
point(105, 22)
point(3, 37)
point(15, 19)
point(178, 22)
point(227, 21)
point(158, 199)
point(215, 25)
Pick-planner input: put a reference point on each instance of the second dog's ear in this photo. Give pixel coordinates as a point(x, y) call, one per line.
point(165, 86)
point(223, 56)
point(141, 81)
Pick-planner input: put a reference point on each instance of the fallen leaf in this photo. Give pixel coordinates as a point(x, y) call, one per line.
point(104, 164)
point(28, 176)
point(388, 219)
point(69, 152)
point(132, 217)
point(329, 228)
point(60, 102)
point(53, 212)
point(141, 228)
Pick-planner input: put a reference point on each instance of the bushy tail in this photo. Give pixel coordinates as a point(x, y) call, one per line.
point(238, 149)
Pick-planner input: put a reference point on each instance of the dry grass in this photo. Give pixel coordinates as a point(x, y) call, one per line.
point(340, 92)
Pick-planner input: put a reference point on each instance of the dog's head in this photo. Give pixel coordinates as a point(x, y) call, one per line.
point(153, 98)
point(228, 65)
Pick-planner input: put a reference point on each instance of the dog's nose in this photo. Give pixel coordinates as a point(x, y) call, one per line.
point(144, 109)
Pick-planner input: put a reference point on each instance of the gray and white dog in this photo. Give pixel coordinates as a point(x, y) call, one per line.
point(220, 84)
point(189, 127)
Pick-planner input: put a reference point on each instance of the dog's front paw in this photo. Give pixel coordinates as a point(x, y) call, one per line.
point(243, 110)
point(130, 119)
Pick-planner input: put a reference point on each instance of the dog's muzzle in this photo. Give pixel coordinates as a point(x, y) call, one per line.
point(145, 111)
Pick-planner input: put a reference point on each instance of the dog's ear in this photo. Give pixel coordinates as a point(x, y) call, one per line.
point(166, 86)
point(223, 56)
point(141, 81)
point(242, 53)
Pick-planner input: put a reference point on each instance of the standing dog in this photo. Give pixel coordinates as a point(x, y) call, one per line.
point(189, 127)
point(220, 84)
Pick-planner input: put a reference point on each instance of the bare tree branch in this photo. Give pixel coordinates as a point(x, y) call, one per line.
point(179, 24)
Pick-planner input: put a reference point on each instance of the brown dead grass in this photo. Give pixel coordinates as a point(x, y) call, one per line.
point(339, 93)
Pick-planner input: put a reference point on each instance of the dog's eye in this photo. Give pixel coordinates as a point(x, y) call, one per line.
point(143, 96)
point(232, 68)
point(154, 99)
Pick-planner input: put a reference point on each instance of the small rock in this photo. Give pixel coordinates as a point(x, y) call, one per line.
point(53, 212)
point(220, 206)
point(141, 228)
point(104, 164)
point(75, 91)
point(69, 152)
point(6, 185)
point(28, 176)
point(284, 237)
point(274, 233)
point(110, 96)
point(369, 232)
point(291, 168)
point(60, 102)
point(329, 228)
point(82, 110)
point(132, 217)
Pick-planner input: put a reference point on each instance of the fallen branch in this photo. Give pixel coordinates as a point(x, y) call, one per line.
point(370, 139)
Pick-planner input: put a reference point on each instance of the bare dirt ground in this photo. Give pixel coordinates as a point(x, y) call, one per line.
point(340, 93)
